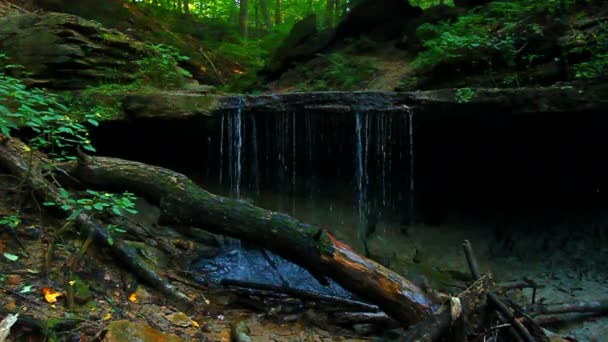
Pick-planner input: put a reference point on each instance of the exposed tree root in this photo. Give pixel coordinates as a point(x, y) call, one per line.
point(29, 166)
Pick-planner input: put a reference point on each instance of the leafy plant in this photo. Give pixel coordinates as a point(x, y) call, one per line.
point(344, 72)
point(97, 204)
point(55, 131)
point(596, 47)
point(12, 221)
point(160, 67)
point(464, 95)
point(497, 32)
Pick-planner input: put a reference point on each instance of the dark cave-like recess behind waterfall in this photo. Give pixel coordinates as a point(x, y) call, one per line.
point(445, 168)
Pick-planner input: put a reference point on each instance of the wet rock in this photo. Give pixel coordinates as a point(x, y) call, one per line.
point(125, 331)
point(154, 313)
point(364, 329)
point(240, 333)
point(151, 255)
point(179, 319)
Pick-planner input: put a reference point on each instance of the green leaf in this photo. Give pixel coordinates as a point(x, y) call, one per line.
point(26, 289)
point(93, 122)
point(110, 240)
point(11, 257)
point(89, 148)
point(66, 207)
point(64, 193)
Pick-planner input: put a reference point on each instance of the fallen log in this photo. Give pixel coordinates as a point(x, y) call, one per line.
point(595, 307)
point(16, 158)
point(436, 325)
point(184, 203)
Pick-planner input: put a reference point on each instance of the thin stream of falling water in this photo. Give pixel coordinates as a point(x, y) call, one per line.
point(254, 146)
point(222, 148)
point(412, 160)
point(293, 164)
point(361, 177)
point(238, 130)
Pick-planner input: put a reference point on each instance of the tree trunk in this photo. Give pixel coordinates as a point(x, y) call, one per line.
point(329, 13)
point(278, 17)
point(243, 18)
point(185, 204)
point(186, 6)
point(265, 14)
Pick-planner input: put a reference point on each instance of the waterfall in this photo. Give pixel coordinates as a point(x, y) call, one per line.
point(238, 148)
point(361, 176)
point(293, 163)
point(412, 192)
point(232, 123)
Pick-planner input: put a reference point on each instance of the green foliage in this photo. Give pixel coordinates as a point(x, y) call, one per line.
point(424, 4)
point(342, 72)
point(496, 32)
point(464, 95)
point(12, 221)
point(596, 47)
point(97, 204)
point(55, 131)
point(160, 67)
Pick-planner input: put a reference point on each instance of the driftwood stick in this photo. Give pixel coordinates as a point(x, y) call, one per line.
point(596, 306)
point(505, 312)
point(433, 327)
point(303, 294)
point(375, 318)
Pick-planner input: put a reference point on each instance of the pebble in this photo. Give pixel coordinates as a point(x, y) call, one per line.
point(179, 319)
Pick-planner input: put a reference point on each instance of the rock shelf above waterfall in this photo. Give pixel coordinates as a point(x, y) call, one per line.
point(176, 105)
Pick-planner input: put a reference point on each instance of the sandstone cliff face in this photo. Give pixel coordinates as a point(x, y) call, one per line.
point(63, 51)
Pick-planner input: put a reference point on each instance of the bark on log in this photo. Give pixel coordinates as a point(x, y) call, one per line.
point(433, 327)
point(15, 158)
point(312, 247)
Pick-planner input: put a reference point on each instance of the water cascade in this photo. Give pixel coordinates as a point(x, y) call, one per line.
point(232, 123)
point(412, 197)
point(302, 164)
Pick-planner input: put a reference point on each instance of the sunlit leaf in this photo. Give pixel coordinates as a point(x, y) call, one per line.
point(133, 297)
point(11, 257)
point(26, 289)
point(50, 295)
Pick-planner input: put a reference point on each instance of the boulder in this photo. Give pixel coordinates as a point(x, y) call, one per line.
point(381, 19)
point(64, 51)
point(303, 43)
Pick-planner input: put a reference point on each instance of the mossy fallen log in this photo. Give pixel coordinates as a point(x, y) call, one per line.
point(184, 203)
